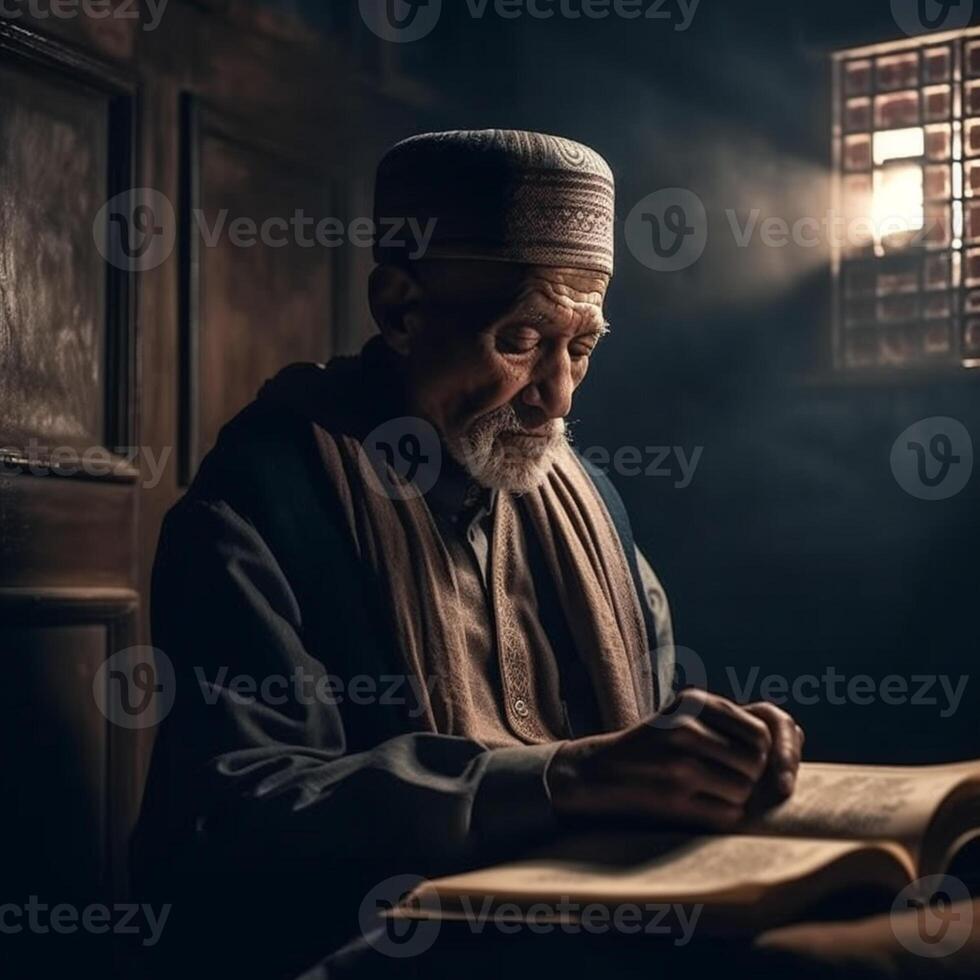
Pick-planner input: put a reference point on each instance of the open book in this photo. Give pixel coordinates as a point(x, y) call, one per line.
point(847, 830)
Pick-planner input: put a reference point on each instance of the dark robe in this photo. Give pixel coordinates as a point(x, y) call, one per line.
point(268, 816)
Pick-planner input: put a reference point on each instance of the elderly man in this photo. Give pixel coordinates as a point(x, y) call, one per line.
point(411, 629)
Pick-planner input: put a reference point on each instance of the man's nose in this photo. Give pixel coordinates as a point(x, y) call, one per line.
point(551, 389)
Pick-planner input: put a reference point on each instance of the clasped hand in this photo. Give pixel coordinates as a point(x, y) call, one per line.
point(702, 763)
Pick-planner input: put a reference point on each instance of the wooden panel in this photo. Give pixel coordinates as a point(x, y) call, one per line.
point(56, 531)
point(61, 781)
point(249, 309)
point(57, 782)
point(66, 324)
point(53, 149)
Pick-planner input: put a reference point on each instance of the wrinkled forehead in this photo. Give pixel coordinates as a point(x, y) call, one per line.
point(497, 290)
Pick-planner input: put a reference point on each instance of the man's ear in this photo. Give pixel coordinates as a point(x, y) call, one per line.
point(395, 295)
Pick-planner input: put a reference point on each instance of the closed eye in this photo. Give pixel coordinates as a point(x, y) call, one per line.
point(584, 346)
point(522, 340)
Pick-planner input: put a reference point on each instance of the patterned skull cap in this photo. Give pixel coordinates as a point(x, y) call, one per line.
point(500, 195)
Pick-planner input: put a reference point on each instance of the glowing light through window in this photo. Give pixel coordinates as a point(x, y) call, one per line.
point(899, 144)
point(897, 202)
point(907, 184)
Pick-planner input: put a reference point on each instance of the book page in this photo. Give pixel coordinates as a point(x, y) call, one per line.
point(863, 802)
point(650, 869)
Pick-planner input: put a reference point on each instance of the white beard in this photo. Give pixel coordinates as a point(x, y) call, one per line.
point(496, 457)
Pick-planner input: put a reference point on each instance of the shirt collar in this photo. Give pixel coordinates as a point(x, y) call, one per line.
point(455, 492)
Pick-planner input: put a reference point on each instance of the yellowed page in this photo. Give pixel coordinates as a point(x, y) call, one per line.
point(652, 869)
point(895, 803)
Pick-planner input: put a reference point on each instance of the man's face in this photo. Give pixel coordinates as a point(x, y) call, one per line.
point(496, 353)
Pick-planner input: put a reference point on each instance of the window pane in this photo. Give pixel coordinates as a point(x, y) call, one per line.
point(857, 77)
point(857, 152)
point(938, 306)
point(938, 226)
point(859, 280)
point(971, 143)
point(897, 203)
point(895, 111)
point(937, 272)
point(861, 348)
point(973, 59)
point(971, 338)
point(898, 144)
point(937, 64)
point(898, 345)
point(937, 103)
point(972, 102)
point(938, 339)
point(938, 185)
point(971, 183)
point(973, 221)
point(973, 267)
point(938, 142)
point(899, 309)
point(898, 71)
point(900, 277)
point(857, 115)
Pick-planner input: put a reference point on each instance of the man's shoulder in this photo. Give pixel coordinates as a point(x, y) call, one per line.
point(270, 440)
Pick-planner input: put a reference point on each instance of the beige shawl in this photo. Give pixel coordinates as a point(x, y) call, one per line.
point(396, 536)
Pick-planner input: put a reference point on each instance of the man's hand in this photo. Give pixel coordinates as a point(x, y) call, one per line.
point(779, 780)
point(695, 765)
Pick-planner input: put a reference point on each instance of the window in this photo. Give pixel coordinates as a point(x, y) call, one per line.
point(907, 186)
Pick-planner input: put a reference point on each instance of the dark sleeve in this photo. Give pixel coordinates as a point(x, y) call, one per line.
point(256, 770)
